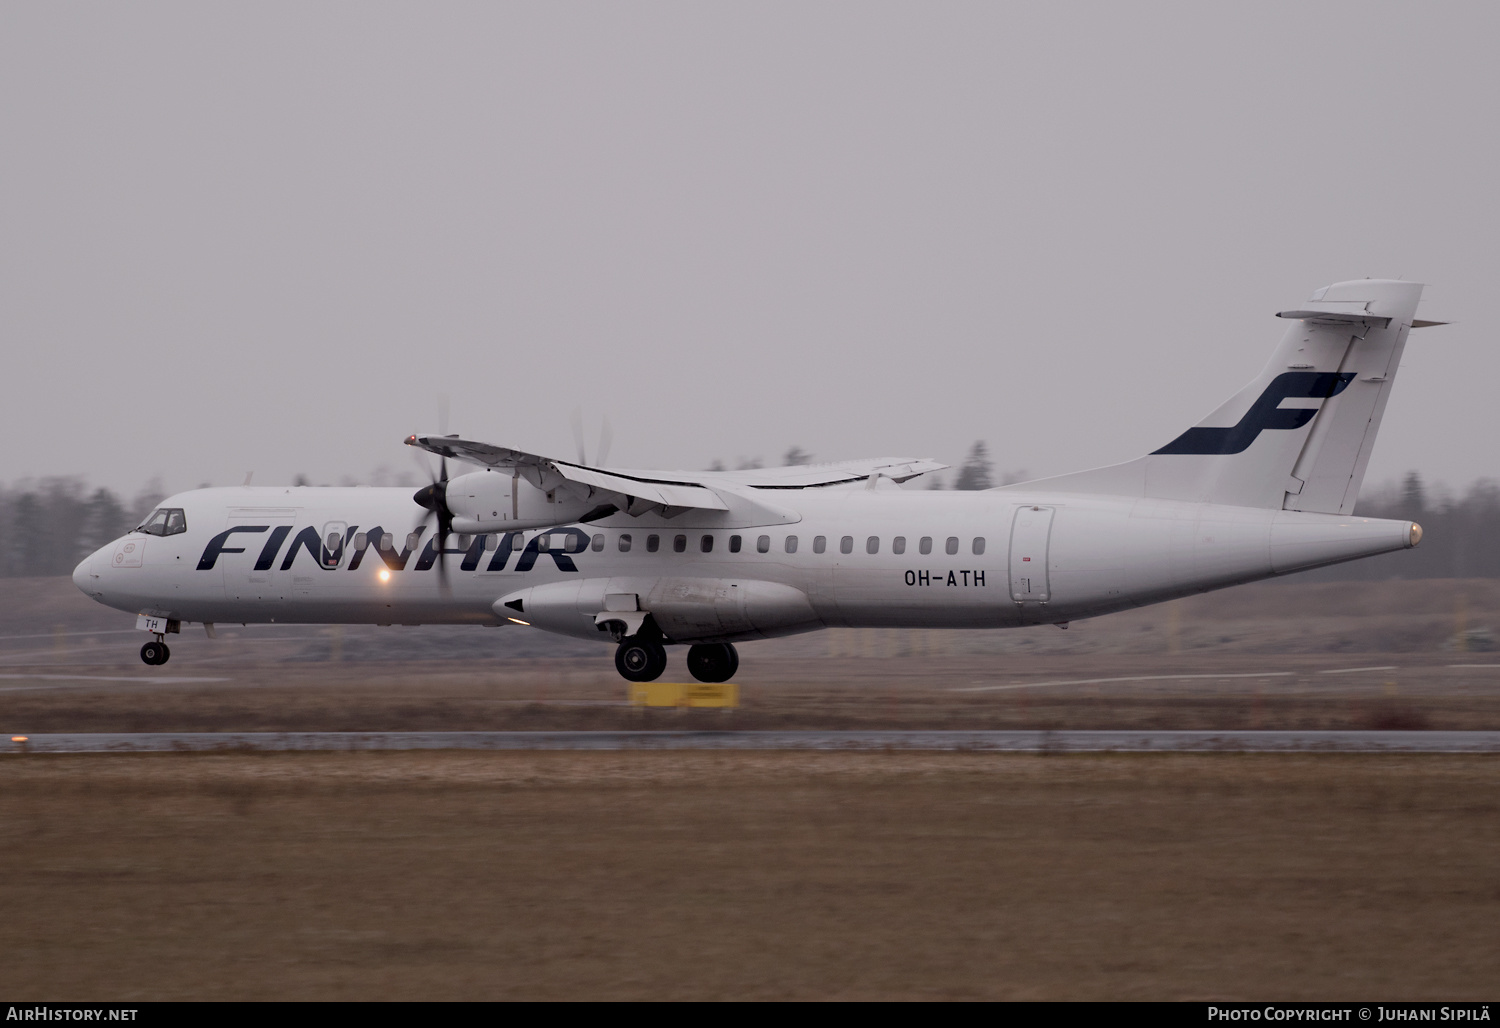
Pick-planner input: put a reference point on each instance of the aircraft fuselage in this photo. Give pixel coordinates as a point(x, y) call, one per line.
point(857, 557)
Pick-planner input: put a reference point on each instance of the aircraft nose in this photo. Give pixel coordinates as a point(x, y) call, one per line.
point(83, 575)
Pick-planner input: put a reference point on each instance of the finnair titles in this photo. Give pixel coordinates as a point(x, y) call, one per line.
point(1264, 486)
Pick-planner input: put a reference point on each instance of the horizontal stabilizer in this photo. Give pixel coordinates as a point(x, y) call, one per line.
point(1336, 313)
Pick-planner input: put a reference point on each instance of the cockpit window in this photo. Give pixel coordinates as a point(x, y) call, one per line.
point(164, 521)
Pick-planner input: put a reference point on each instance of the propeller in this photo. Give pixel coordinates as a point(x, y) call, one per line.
point(434, 497)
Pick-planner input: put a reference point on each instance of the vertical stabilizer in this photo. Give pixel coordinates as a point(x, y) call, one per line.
point(1331, 465)
point(1299, 437)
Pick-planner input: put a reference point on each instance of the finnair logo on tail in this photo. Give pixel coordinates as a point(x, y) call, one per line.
point(1265, 413)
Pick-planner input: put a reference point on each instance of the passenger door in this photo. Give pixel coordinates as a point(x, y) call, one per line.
point(1031, 531)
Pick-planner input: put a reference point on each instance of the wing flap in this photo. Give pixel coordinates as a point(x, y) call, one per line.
point(804, 476)
point(667, 494)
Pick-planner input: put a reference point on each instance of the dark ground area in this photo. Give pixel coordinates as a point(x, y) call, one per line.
point(771, 875)
point(739, 875)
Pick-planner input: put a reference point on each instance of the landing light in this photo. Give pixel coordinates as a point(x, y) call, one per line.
point(18, 738)
point(385, 574)
point(520, 622)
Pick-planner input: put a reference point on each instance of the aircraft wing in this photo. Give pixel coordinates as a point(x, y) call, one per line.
point(628, 490)
point(804, 476)
point(673, 491)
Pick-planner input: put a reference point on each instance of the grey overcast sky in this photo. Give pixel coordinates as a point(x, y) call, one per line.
point(270, 236)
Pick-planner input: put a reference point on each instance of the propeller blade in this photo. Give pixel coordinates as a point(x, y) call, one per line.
point(444, 529)
point(434, 497)
point(606, 436)
point(578, 435)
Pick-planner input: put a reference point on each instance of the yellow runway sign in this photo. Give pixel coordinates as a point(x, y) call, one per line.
point(685, 694)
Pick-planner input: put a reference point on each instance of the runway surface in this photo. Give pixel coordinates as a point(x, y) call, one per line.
point(976, 741)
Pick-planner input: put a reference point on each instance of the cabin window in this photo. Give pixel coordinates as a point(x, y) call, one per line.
point(332, 543)
point(872, 544)
point(763, 544)
point(978, 545)
point(952, 546)
point(734, 544)
point(820, 543)
point(598, 544)
point(387, 541)
point(679, 544)
point(924, 545)
point(361, 540)
point(706, 544)
point(412, 539)
point(491, 542)
point(653, 543)
point(791, 544)
point(846, 544)
point(624, 542)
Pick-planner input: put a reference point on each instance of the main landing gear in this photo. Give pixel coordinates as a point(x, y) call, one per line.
point(644, 660)
point(155, 652)
point(640, 660)
point(713, 662)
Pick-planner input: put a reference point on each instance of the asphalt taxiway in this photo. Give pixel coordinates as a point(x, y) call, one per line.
point(1042, 742)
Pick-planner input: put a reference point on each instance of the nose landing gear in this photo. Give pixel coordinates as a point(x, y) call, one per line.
point(155, 652)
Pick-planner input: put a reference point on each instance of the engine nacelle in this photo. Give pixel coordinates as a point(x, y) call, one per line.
point(684, 609)
point(494, 501)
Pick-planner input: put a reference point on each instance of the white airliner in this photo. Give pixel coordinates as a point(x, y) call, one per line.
point(1263, 486)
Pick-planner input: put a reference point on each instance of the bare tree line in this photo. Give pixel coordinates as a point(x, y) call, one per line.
point(48, 525)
